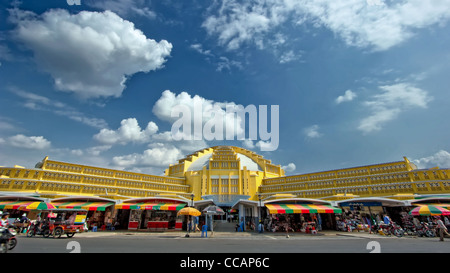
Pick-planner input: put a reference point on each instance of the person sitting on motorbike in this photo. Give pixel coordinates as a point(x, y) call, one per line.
point(4, 222)
point(24, 218)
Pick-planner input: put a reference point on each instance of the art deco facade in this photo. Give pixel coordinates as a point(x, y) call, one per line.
point(225, 174)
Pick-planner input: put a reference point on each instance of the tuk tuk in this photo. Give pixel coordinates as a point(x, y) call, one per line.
point(66, 221)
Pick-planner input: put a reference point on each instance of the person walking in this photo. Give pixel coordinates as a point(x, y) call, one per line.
point(442, 229)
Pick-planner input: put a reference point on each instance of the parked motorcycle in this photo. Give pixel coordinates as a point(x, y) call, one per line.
point(3, 240)
point(37, 229)
point(392, 229)
point(410, 229)
point(426, 230)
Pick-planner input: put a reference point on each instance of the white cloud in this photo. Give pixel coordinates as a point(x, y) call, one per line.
point(289, 56)
point(225, 63)
point(129, 131)
point(357, 22)
point(209, 108)
point(312, 131)
point(41, 103)
point(89, 53)
point(29, 142)
point(124, 7)
point(289, 167)
point(348, 96)
point(393, 100)
point(199, 49)
point(440, 159)
point(159, 156)
point(248, 144)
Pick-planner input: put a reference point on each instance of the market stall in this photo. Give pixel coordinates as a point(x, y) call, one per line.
point(152, 214)
point(306, 218)
point(99, 210)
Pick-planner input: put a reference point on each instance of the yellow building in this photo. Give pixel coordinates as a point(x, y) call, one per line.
point(397, 180)
point(227, 176)
point(224, 172)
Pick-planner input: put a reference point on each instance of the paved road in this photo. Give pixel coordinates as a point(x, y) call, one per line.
point(230, 243)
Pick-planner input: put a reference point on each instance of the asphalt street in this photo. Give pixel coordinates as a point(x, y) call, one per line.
point(229, 243)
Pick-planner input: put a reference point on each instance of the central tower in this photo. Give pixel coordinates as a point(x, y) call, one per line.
point(224, 173)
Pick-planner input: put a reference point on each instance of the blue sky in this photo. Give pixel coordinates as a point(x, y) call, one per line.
point(357, 82)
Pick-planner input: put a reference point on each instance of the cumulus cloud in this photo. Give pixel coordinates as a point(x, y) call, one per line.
point(161, 148)
point(207, 110)
point(129, 131)
point(29, 142)
point(312, 131)
point(357, 22)
point(289, 167)
point(160, 156)
point(348, 96)
point(88, 53)
point(439, 159)
point(393, 100)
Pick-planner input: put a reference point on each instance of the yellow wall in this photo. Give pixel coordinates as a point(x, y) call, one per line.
point(399, 179)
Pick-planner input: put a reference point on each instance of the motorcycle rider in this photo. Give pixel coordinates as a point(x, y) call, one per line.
point(4, 221)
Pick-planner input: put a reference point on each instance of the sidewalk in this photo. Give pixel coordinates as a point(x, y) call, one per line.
point(227, 234)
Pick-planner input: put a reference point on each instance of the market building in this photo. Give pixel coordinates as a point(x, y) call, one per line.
point(233, 178)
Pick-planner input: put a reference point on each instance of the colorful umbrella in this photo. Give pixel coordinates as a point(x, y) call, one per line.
point(429, 210)
point(38, 206)
point(189, 211)
point(214, 210)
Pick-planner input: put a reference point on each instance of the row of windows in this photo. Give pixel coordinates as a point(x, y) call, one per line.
point(357, 190)
point(224, 189)
point(400, 176)
point(63, 167)
point(224, 165)
point(272, 168)
point(398, 167)
point(435, 186)
point(101, 172)
point(101, 181)
point(344, 182)
point(177, 168)
point(60, 187)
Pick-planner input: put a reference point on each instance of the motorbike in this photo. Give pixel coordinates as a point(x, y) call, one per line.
point(426, 230)
point(3, 240)
point(411, 230)
point(392, 229)
point(8, 239)
point(37, 229)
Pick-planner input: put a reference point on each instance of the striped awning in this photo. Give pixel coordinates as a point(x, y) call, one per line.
point(162, 206)
point(151, 206)
point(14, 204)
point(445, 206)
point(301, 208)
point(98, 206)
point(128, 206)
